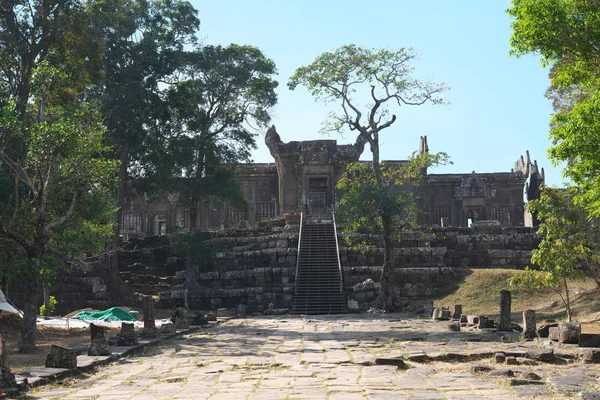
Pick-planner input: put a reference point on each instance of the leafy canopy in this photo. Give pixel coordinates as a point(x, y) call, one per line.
point(365, 81)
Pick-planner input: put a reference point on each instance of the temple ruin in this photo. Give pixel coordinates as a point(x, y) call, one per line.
point(304, 175)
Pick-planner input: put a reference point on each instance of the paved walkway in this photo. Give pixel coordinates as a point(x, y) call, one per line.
point(327, 358)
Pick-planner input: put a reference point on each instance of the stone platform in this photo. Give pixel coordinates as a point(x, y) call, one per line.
point(384, 356)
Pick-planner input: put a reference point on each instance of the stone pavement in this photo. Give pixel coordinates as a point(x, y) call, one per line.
point(331, 358)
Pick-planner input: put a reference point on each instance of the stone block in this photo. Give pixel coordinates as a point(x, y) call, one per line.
point(568, 332)
point(99, 345)
point(61, 357)
point(553, 333)
point(591, 356)
point(545, 355)
point(457, 311)
point(505, 310)
point(454, 326)
point(500, 358)
point(127, 336)
point(589, 340)
point(472, 319)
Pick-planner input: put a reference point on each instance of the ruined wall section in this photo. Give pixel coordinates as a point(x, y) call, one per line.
point(429, 262)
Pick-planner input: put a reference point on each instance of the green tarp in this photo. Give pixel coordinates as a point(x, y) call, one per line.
point(112, 314)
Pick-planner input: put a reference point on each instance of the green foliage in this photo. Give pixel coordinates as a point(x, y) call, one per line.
point(51, 307)
point(179, 314)
point(566, 33)
point(192, 244)
point(364, 202)
point(365, 81)
point(569, 249)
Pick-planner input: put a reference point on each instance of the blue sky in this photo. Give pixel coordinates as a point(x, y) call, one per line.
point(497, 109)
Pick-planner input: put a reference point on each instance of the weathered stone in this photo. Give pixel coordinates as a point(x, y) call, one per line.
point(525, 361)
point(393, 361)
point(545, 355)
point(99, 345)
point(167, 329)
point(457, 311)
point(444, 315)
point(148, 311)
point(531, 376)
point(511, 360)
point(519, 382)
point(483, 322)
point(589, 340)
point(505, 310)
point(544, 330)
point(223, 313)
point(553, 333)
point(568, 332)
point(418, 357)
point(591, 356)
point(127, 336)
point(428, 308)
point(353, 306)
point(502, 372)
point(454, 326)
point(529, 330)
point(61, 357)
point(211, 317)
point(435, 314)
point(463, 319)
point(500, 358)
point(480, 368)
point(242, 309)
point(472, 319)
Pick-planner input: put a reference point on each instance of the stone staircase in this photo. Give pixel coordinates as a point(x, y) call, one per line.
point(319, 282)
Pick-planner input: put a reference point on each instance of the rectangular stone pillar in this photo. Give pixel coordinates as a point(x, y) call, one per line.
point(148, 310)
point(505, 304)
point(529, 329)
point(457, 311)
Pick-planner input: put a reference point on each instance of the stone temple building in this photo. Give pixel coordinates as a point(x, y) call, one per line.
point(304, 174)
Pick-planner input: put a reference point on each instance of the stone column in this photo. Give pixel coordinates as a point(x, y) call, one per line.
point(457, 311)
point(99, 345)
point(529, 330)
point(148, 310)
point(127, 335)
point(505, 303)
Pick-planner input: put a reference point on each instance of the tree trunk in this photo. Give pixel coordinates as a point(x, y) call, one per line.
point(191, 268)
point(567, 299)
point(30, 311)
point(385, 298)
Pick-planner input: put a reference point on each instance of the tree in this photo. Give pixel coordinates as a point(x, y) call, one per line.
point(62, 171)
point(144, 52)
point(364, 203)
point(567, 35)
point(570, 245)
point(383, 79)
point(222, 93)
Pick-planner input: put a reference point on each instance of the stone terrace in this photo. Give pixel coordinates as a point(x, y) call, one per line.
point(334, 357)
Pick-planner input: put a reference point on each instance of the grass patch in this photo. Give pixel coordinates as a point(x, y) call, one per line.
point(479, 294)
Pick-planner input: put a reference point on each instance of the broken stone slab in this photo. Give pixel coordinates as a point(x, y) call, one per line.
point(591, 356)
point(198, 319)
point(418, 357)
point(503, 372)
point(127, 336)
point(393, 361)
point(531, 376)
point(99, 345)
point(435, 314)
point(472, 319)
point(353, 305)
point(61, 357)
point(569, 332)
point(519, 382)
point(589, 340)
point(545, 355)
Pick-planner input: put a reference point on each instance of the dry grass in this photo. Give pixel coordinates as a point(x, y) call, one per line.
point(479, 293)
